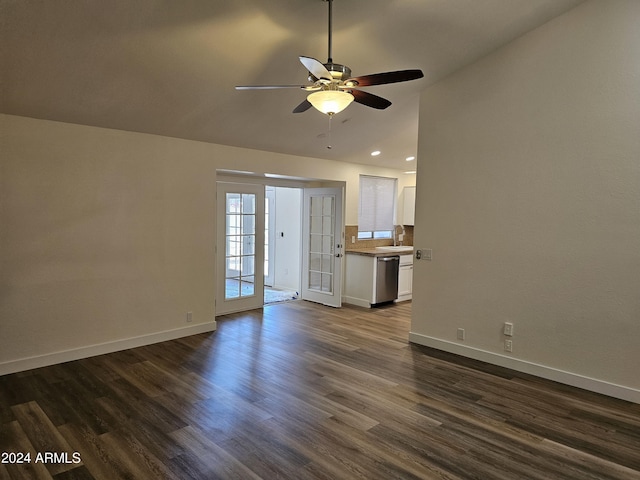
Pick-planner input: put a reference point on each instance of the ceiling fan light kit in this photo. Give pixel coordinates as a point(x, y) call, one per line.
point(330, 102)
point(333, 89)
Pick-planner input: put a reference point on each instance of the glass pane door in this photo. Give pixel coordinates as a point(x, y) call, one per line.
point(322, 247)
point(240, 248)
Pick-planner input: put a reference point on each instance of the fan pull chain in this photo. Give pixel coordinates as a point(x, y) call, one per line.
point(329, 146)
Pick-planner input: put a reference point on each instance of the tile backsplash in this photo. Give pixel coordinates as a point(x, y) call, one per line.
point(352, 231)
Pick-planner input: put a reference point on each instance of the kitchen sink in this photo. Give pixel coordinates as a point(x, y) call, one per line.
point(398, 248)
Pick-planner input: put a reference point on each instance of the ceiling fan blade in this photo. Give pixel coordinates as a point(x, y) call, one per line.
point(316, 68)
point(386, 77)
point(303, 107)
point(267, 87)
point(370, 100)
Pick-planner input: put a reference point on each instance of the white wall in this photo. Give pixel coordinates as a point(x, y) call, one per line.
point(107, 237)
point(529, 195)
point(288, 253)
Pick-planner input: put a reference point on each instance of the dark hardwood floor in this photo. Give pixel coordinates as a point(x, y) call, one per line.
point(302, 391)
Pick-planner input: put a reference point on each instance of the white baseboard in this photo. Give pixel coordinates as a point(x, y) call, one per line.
point(356, 301)
point(45, 360)
point(568, 378)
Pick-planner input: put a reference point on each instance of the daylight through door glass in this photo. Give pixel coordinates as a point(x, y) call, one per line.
point(240, 240)
point(321, 243)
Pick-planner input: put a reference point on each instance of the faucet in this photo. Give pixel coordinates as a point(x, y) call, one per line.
point(395, 243)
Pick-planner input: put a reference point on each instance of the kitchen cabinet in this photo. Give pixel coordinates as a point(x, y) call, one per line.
point(405, 278)
point(408, 205)
point(361, 272)
point(359, 286)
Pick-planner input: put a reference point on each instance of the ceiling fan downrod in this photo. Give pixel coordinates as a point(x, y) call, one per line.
point(341, 72)
point(329, 56)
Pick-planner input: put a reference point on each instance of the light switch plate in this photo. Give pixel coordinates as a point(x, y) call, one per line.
point(508, 329)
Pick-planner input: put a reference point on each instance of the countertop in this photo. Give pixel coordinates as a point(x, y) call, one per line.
point(380, 252)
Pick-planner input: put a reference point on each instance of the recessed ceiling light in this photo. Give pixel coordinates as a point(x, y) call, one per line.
point(410, 158)
point(375, 153)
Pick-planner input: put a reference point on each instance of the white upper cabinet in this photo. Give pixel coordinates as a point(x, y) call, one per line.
point(408, 205)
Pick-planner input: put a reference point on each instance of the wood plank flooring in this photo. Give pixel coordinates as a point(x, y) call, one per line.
point(302, 391)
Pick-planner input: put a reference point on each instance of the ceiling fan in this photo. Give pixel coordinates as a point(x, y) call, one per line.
point(332, 86)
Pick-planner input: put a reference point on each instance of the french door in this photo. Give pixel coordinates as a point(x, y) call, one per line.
point(323, 246)
point(240, 247)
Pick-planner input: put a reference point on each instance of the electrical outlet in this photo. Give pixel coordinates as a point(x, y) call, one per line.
point(189, 316)
point(508, 329)
point(508, 345)
point(461, 334)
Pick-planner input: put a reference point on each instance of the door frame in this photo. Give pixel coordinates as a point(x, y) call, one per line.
point(270, 235)
point(248, 178)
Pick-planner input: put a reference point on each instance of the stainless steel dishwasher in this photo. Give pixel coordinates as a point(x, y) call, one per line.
point(387, 278)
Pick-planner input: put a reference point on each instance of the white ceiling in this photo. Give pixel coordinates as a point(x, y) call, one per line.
point(169, 67)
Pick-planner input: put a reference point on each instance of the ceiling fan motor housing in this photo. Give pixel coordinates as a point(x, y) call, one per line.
point(338, 72)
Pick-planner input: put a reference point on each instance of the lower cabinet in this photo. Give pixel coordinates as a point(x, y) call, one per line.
point(359, 287)
point(405, 278)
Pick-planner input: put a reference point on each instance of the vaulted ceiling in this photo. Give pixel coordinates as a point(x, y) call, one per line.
point(169, 67)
